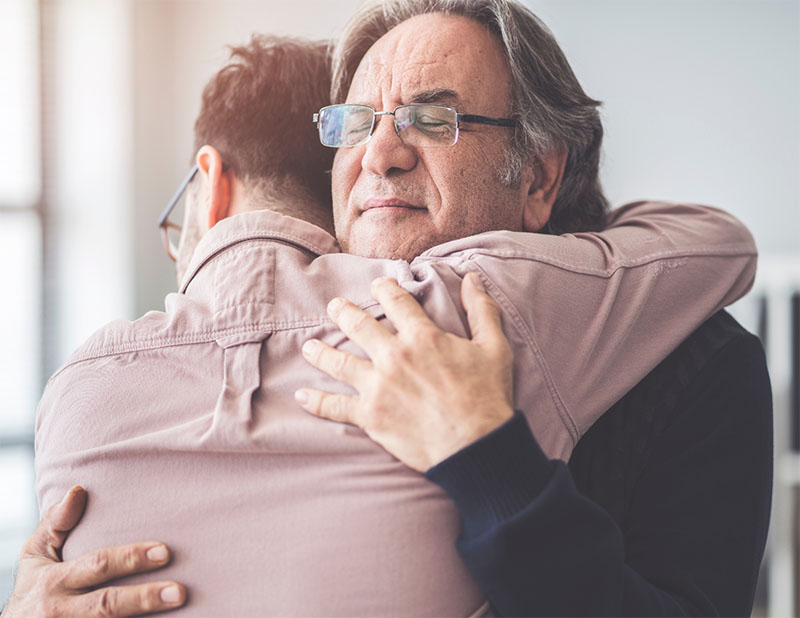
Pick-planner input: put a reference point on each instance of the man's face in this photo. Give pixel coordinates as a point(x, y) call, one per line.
point(395, 201)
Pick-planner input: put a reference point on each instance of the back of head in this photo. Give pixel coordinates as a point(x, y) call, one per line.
point(257, 111)
point(553, 110)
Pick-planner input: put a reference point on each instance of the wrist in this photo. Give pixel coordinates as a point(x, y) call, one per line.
point(480, 424)
point(496, 476)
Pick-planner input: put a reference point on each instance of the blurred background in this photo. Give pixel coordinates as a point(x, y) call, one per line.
point(97, 103)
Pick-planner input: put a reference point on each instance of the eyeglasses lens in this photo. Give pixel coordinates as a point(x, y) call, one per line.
point(172, 226)
point(345, 125)
point(427, 126)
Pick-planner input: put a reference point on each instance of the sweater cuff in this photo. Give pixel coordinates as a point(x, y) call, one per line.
point(495, 477)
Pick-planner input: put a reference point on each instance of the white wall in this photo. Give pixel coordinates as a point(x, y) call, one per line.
point(702, 102)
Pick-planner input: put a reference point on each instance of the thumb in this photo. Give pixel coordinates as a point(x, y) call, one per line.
point(64, 516)
point(483, 313)
point(49, 536)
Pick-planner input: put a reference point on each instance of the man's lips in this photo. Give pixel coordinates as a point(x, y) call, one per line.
point(388, 202)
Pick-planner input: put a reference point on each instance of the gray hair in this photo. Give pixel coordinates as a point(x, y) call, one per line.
point(552, 109)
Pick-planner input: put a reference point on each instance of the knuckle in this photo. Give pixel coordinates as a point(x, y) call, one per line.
point(397, 356)
point(377, 413)
point(348, 365)
point(335, 362)
point(324, 406)
point(425, 341)
point(338, 407)
point(50, 579)
point(43, 543)
point(52, 538)
point(99, 564)
point(130, 559)
point(332, 407)
point(432, 336)
point(105, 603)
point(360, 322)
point(50, 608)
point(149, 599)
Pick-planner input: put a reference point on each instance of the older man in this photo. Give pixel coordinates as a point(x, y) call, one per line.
point(675, 480)
point(211, 168)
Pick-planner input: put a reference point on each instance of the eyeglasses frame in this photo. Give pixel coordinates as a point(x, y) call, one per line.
point(163, 221)
point(471, 118)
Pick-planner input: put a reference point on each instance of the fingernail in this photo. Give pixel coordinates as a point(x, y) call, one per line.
point(301, 397)
point(309, 347)
point(335, 304)
point(158, 553)
point(171, 594)
point(477, 282)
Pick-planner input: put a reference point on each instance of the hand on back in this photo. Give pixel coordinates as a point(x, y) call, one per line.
point(47, 586)
point(424, 394)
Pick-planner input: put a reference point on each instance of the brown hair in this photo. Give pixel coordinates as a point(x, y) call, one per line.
point(257, 112)
point(553, 110)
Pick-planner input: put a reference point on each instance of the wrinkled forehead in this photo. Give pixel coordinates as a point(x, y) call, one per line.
point(435, 58)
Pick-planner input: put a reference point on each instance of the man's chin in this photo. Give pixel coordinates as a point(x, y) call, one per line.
point(382, 248)
point(401, 240)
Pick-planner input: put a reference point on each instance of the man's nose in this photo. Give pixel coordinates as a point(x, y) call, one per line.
point(385, 151)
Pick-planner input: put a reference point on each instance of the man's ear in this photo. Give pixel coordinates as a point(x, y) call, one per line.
point(216, 184)
point(542, 181)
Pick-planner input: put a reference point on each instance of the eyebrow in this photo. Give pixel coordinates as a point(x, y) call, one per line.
point(440, 95)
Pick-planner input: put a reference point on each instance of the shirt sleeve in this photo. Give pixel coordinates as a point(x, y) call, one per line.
point(694, 530)
point(589, 315)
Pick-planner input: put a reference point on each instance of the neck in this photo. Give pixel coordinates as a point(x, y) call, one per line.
point(284, 198)
point(289, 200)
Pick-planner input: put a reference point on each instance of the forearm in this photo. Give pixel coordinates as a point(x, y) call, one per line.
point(579, 307)
point(535, 545)
point(513, 537)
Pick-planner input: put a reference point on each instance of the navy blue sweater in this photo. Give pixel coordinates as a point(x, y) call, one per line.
point(664, 506)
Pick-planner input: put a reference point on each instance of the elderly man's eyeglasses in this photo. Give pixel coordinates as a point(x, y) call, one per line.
point(165, 225)
point(417, 124)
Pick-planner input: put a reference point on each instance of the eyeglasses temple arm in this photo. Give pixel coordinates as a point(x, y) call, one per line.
point(177, 195)
point(497, 122)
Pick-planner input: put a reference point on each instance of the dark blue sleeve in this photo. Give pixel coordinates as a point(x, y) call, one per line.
point(694, 531)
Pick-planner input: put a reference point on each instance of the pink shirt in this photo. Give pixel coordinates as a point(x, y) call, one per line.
point(183, 427)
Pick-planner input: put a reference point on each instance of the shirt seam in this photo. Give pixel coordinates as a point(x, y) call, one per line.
point(198, 337)
point(743, 250)
point(527, 336)
point(299, 243)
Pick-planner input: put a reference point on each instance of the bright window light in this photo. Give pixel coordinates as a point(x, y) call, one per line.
point(20, 255)
point(19, 106)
